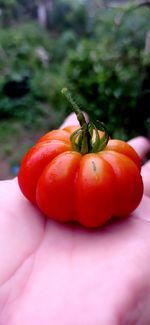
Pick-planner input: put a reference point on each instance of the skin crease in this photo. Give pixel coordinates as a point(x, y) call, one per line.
point(63, 274)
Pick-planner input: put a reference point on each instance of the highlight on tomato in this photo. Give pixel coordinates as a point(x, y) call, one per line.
point(78, 173)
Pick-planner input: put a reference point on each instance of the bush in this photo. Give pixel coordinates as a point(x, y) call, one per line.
point(25, 59)
point(108, 74)
point(30, 61)
point(72, 16)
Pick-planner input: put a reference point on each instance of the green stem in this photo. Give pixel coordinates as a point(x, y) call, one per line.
point(86, 139)
point(75, 107)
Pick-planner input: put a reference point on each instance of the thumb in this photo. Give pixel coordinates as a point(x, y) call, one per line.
point(141, 146)
point(146, 179)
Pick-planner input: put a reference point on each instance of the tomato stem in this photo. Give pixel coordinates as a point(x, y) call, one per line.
point(86, 139)
point(74, 105)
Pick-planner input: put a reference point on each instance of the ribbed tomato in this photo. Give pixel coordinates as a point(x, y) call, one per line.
point(80, 174)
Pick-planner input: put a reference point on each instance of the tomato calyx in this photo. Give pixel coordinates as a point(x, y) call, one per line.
point(86, 139)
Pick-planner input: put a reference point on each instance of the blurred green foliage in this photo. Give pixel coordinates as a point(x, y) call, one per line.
point(25, 58)
point(98, 55)
point(110, 73)
point(30, 60)
point(70, 16)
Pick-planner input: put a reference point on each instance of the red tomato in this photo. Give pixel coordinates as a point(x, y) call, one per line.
point(89, 188)
point(78, 173)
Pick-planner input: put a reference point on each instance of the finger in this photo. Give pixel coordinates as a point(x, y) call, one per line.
point(141, 146)
point(22, 228)
point(143, 210)
point(72, 120)
point(146, 178)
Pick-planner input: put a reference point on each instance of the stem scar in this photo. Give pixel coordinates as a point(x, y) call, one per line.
point(94, 166)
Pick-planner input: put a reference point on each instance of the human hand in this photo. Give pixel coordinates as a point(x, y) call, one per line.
point(63, 274)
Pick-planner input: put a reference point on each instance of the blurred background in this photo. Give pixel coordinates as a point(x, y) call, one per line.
point(100, 50)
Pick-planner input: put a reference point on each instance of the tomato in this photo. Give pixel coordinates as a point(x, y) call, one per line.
point(78, 173)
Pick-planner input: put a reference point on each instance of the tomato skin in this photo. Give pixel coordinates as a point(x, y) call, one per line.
point(124, 148)
point(55, 189)
point(34, 162)
point(128, 182)
point(95, 190)
point(88, 188)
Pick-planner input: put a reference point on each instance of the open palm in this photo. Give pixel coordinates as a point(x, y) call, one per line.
point(63, 274)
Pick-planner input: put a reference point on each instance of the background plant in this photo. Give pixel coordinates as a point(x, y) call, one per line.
point(97, 51)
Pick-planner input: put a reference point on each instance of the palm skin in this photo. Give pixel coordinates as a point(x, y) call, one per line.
point(63, 274)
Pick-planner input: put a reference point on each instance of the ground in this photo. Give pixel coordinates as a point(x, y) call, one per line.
point(12, 148)
point(16, 137)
